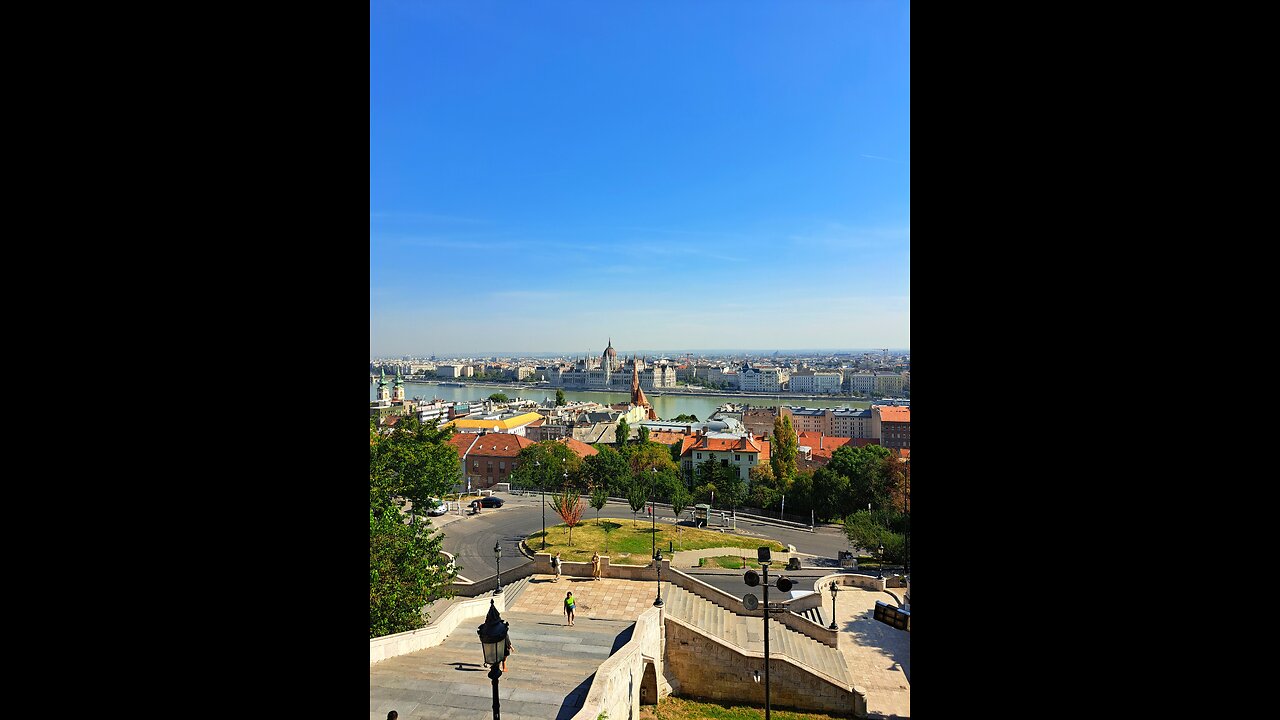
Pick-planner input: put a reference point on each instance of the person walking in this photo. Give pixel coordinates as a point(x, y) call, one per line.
point(506, 652)
point(569, 602)
point(555, 565)
point(595, 565)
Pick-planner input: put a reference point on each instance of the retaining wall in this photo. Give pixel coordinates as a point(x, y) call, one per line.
point(389, 646)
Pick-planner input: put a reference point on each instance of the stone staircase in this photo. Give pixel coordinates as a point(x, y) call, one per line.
point(513, 591)
point(547, 676)
point(748, 633)
point(814, 614)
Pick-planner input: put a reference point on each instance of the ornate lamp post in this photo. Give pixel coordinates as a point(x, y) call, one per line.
point(833, 605)
point(497, 555)
point(880, 574)
point(653, 523)
point(542, 485)
point(657, 561)
point(493, 640)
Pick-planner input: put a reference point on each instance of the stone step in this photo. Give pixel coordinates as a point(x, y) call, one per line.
point(748, 633)
point(547, 676)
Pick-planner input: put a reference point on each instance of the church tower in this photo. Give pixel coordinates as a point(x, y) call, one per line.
point(397, 394)
point(383, 396)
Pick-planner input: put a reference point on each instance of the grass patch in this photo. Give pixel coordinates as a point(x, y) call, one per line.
point(628, 543)
point(674, 708)
point(731, 562)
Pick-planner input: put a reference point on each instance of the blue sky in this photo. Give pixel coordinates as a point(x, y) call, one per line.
point(676, 175)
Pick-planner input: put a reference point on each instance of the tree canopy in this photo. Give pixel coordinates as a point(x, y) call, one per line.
point(783, 449)
point(499, 397)
point(560, 400)
point(407, 464)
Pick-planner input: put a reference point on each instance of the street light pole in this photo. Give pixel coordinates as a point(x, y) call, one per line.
point(497, 555)
point(833, 605)
point(494, 642)
point(880, 574)
point(764, 566)
point(657, 561)
point(653, 523)
point(542, 486)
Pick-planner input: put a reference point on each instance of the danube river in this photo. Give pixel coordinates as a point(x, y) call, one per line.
point(667, 406)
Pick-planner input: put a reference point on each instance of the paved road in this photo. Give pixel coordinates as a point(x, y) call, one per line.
point(470, 538)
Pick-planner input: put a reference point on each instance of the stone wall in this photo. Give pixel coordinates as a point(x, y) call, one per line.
point(713, 670)
point(389, 646)
point(542, 564)
point(615, 688)
point(733, 604)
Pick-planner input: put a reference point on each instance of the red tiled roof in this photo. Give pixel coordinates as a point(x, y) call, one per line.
point(820, 445)
point(462, 442)
point(490, 444)
point(666, 438)
point(580, 448)
point(894, 413)
point(741, 444)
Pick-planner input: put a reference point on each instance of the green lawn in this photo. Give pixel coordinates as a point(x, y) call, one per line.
point(733, 562)
point(674, 708)
point(629, 543)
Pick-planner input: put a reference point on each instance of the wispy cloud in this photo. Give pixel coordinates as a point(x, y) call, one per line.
point(522, 296)
point(877, 157)
point(423, 217)
point(836, 235)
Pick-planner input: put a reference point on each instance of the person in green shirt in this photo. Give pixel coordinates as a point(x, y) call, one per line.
point(569, 602)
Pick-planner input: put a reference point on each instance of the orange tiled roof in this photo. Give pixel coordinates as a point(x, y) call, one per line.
point(462, 442)
point(666, 437)
point(820, 445)
point(498, 445)
point(741, 444)
point(580, 448)
point(893, 413)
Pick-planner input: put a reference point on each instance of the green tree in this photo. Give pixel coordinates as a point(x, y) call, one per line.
point(782, 453)
point(863, 530)
point(499, 397)
point(644, 435)
point(765, 492)
point(685, 418)
point(830, 493)
point(637, 496)
point(680, 499)
point(609, 469)
point(599, 497)
point(624, 433)
point(543, 465)
point(407, 570)
point(560, 401)
point(730, 485)
point(411, 463)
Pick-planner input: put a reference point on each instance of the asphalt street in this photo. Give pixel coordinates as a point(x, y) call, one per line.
point(471, 538)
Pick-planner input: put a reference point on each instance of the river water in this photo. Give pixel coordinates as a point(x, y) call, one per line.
point(667, 406)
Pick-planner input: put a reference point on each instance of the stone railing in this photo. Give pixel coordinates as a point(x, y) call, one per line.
point(849, 579)
point(490, 583)
point(709, 668)
point(788, 617)
point(615, 688)
point(389, 646)
point(542, 564)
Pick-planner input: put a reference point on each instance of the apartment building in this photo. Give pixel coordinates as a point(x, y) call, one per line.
point(740, 451)
point(815, 382)
point(892, 425)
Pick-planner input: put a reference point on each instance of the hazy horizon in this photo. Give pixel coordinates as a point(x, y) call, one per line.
point(646, 352)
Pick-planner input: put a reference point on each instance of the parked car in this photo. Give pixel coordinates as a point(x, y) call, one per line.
point(489, 501)
point(436, 507)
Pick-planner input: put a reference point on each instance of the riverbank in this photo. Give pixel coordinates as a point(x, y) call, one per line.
point(657, 392)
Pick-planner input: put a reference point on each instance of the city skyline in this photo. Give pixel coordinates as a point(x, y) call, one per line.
point(706, 175)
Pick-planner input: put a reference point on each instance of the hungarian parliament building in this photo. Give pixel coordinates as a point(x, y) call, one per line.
point(609, 373)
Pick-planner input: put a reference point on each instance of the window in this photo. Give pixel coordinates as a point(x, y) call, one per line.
point(699, 456)
point(737, 458)
point(502, 465)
